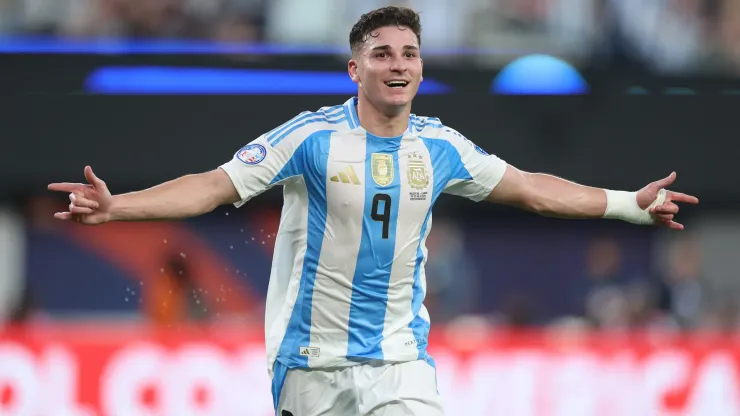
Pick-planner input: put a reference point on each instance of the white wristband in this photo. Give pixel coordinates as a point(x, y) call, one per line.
point(622, 205)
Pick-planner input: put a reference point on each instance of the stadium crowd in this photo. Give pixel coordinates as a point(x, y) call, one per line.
point(668, 36)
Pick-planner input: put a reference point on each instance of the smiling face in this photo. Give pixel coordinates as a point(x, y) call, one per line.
point(388, 68)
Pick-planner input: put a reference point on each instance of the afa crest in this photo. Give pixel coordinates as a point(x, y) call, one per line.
point(382, 168)
point(417, 172)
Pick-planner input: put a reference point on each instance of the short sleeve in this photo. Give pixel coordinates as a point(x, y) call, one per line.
point(473, 172)
point(262, 164)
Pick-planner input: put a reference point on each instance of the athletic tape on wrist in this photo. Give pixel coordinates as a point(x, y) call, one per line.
point(622, 205)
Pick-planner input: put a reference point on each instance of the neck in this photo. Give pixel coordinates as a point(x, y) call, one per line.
point(381, 123)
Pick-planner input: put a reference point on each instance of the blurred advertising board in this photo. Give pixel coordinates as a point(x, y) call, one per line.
point(117, 370)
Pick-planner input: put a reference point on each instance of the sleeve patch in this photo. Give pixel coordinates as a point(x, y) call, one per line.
point(252, 154)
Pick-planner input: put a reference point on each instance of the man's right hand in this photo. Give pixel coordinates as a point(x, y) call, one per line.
point(89, 203)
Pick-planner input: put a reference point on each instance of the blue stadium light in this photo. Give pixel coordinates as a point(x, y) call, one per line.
point(123, 46)
point(539, 75)
point(679, 91)
point(175, 80)
point(637, 90)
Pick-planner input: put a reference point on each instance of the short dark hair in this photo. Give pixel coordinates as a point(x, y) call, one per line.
point(385, 16)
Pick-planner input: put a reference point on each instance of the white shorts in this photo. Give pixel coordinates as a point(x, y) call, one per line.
point(398, 389)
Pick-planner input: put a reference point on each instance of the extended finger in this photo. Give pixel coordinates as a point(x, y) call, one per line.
point(66, 187)
point(93, 179)
point(667, 180)
point(678, 196)
point(63, 215)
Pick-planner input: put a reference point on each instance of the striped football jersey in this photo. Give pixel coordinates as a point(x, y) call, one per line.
point(347, 282)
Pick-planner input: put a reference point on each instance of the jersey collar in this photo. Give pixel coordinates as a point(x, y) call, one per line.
point(350, 110)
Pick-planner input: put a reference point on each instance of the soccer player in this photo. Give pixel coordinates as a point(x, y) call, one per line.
point(345, 327)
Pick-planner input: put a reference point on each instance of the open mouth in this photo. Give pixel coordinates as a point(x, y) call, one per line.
point(398, 84)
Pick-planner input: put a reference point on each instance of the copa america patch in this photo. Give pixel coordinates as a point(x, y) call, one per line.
point(252, 154)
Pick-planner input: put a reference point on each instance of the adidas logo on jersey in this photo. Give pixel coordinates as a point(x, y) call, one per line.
point(347, 175)
point(309, 352)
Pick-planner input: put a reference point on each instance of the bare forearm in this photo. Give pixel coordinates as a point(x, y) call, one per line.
point(184, 197)
point(556, 197)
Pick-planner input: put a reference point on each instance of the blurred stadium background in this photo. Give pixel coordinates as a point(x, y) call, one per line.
point(530, 316)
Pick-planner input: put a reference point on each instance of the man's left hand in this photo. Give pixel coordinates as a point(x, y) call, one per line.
point(665, 212)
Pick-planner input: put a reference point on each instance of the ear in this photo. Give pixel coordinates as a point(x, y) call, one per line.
point(421, 78)
point(352, 70)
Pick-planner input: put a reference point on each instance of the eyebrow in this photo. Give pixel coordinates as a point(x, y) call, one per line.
point(388, 47)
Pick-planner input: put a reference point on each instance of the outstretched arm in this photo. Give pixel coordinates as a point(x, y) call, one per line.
point(187, 196)
point(555, 197)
